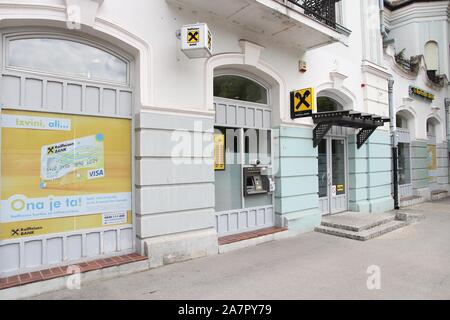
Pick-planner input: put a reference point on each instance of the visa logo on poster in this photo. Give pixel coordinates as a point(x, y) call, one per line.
point(96, 173)
point(36, 123)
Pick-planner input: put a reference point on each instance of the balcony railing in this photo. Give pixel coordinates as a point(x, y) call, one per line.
point(321, 10)
point(434, 77)
point(404, 63)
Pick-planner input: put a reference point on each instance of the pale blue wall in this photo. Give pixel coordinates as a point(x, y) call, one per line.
point(419, 164)
point(370, 174)
point(442, 162)
point(296, 197)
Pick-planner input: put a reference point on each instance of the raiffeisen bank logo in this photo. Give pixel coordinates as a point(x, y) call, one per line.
point(36, 123)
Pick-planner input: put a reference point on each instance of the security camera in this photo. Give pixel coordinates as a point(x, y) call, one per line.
point(255, 162)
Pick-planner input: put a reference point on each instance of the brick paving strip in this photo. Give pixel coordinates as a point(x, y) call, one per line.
point(58, 272)
point(249, 235)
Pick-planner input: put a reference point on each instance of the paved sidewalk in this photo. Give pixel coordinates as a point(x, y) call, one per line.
point(414, 263)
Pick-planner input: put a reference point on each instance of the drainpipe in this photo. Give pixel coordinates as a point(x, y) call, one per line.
point(447, 131)
point(393, 127)
point(382, 26)
point(447, 107)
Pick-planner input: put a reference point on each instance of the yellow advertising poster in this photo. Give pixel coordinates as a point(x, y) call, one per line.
point(62, 173)
point(432, 160)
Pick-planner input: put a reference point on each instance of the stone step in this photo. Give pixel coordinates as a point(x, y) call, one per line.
point(410, 201)
point(409, 216)
point(439, 194)
point(364, 234)
point(355, 221)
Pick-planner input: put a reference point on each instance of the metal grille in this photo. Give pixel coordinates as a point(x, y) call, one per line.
point(321, 10)
point(435, 78)
point(368, 123)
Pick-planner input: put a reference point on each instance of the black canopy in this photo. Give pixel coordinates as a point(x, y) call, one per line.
point(368, 123)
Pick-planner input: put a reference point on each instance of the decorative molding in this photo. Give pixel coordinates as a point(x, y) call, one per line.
point(259, 68)
point(407, 101)
point(178, 111)
point(29, 13)
point(337, 78)
point(377, 70)
point(343, 95)
point(82, 11)
point(416, 12)
point(251, 52)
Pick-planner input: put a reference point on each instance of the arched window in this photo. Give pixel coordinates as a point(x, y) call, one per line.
point(431, 127)
point(325, 104)
point(239, 88)
point(66, 57)
point(432, 55)
point(401, 122)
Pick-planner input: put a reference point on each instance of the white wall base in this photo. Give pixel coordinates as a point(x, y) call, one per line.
point(254, 241)
point(41, 287)
point(180, 247)
point(425, 193)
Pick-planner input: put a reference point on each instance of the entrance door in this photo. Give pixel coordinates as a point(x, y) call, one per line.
point(332, 175)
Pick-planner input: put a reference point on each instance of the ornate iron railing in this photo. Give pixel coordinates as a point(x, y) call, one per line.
point(434, 77)
point(321, 10)
point(404, 63)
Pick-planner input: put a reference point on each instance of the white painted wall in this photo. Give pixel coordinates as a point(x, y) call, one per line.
point(414, 25)
point(420, 108)
point(179, 82)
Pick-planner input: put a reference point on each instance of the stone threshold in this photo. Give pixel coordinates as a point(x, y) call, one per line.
point(59, 272)
point(249, 235)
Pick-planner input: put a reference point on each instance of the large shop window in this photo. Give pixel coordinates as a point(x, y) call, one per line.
point(243, 147)
point(67, 58)
point(239, 88)
point(404, 163)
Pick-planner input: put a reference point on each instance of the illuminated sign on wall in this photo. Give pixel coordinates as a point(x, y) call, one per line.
point(413, 91)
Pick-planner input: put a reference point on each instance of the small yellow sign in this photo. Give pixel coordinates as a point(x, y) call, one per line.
point(209, 40)
point(302, 102)
point(432, 160)
point(193, 35)
point(219, 151)
point(340, 188)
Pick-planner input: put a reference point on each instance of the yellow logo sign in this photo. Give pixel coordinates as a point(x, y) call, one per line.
point(209, 40)
point(193, 36)
point(302, 102)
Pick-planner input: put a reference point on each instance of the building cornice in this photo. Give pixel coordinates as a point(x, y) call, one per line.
point(417, 12)
point(375, 69)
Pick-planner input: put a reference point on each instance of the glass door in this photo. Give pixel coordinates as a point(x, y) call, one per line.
point(332, 170)
point(338, 200)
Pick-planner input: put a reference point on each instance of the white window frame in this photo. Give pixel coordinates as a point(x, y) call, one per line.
point(249, 76)
point(7, 37)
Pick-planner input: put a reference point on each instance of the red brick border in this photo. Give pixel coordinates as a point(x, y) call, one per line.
point(249, 235)
point(58, 272)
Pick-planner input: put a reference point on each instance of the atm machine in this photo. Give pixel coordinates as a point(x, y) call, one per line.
point(257, 180)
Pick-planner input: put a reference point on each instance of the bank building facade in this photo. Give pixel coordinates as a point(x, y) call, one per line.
point(169, 128)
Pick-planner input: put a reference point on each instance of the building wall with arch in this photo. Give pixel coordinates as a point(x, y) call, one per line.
point(417, 111)
point(173, 198)
point(427, 22)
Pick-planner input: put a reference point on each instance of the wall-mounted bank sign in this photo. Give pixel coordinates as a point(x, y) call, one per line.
point(196, 40)
point(414, 91)
point(302, 103)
